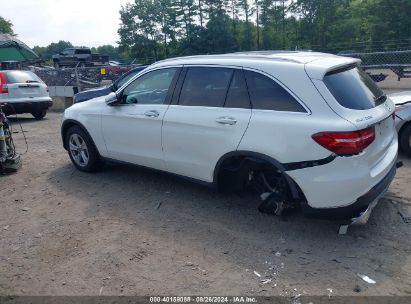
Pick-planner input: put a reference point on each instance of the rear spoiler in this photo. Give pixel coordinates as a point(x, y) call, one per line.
point(317, 69)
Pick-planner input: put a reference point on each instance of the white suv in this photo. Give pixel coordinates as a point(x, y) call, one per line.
point(300, 128)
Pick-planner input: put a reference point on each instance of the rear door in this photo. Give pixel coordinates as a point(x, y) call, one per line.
point(25, 86)
point(354, 96)
point(206, 120)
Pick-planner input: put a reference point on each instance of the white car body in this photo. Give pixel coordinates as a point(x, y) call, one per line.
point(192, 141)
point(402, 102)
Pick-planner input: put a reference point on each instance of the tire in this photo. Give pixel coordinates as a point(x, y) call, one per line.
point(82, 151)
point(405, 139)
point(39, 115)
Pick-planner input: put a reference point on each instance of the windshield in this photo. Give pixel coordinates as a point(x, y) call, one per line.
point(354, 89)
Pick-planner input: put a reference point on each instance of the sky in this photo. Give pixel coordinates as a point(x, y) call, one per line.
point(82, 22)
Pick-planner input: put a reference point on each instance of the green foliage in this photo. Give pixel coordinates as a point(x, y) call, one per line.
point(155, 29)
point(45, 52)
point(6, 27)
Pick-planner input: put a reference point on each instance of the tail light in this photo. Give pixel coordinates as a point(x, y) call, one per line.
point(3, 84)
point(346, 143)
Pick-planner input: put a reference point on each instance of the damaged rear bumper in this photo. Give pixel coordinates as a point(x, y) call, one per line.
point(359, 211)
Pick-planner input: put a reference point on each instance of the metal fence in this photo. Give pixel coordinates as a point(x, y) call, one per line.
point(81, 78)
point(398, 62)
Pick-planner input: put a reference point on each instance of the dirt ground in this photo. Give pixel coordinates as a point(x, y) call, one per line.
point(391, 83)
point(132, 231)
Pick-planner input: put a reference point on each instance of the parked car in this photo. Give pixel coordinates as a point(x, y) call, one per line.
point(402, 102)
point(102, 91)
point(299, 128)
point(82, 57)
point(24, 92)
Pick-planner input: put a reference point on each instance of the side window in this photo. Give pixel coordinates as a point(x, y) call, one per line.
point(266, 94)
point(206, 87)
point(127, 78)
point(150, 88)
point(237, 96)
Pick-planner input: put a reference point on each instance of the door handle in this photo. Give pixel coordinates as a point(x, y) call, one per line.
point(152, 113)
point(226, 120)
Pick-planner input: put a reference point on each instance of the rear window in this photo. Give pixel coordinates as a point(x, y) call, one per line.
point(354, 89)
point(21, 77)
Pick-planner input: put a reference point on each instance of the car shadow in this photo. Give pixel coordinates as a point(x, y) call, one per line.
point(23, 119)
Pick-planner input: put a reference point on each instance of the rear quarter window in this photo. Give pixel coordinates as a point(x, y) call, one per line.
point(266, 94)
point(21, 77)
point(354, 89)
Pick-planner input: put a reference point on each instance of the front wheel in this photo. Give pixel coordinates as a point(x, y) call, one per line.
point(82, 151)
point(39, 114)
point(405, 140)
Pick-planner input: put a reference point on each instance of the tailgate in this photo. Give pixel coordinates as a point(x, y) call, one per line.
point(25, 90)
point(354, 96)
point(25, 85)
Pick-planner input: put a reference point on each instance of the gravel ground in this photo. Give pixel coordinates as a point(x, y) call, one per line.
point(132, 231)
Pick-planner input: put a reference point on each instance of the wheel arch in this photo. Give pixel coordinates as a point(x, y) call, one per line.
point(296, 192)
point(67, 124)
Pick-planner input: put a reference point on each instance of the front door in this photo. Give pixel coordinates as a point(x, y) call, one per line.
point(132, 127)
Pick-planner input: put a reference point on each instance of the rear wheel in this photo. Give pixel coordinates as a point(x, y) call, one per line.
point(39, 114)
point(405, 139)
point(82, 151)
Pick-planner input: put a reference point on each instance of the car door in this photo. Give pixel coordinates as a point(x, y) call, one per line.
point(207, 119)
point(132, 127)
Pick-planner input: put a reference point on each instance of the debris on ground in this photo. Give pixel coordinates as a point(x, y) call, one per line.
point(343, 229)
point(366, 279)
point(257, 274)
point(266, 281)
point(357, 288)
point(330, 291)
point(405, 219)
point(25, 209)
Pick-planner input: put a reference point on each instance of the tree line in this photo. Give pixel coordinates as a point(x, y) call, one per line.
point(165, 28)
point(155, 29)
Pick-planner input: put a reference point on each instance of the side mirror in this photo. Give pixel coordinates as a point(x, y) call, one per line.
point(111, 98)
